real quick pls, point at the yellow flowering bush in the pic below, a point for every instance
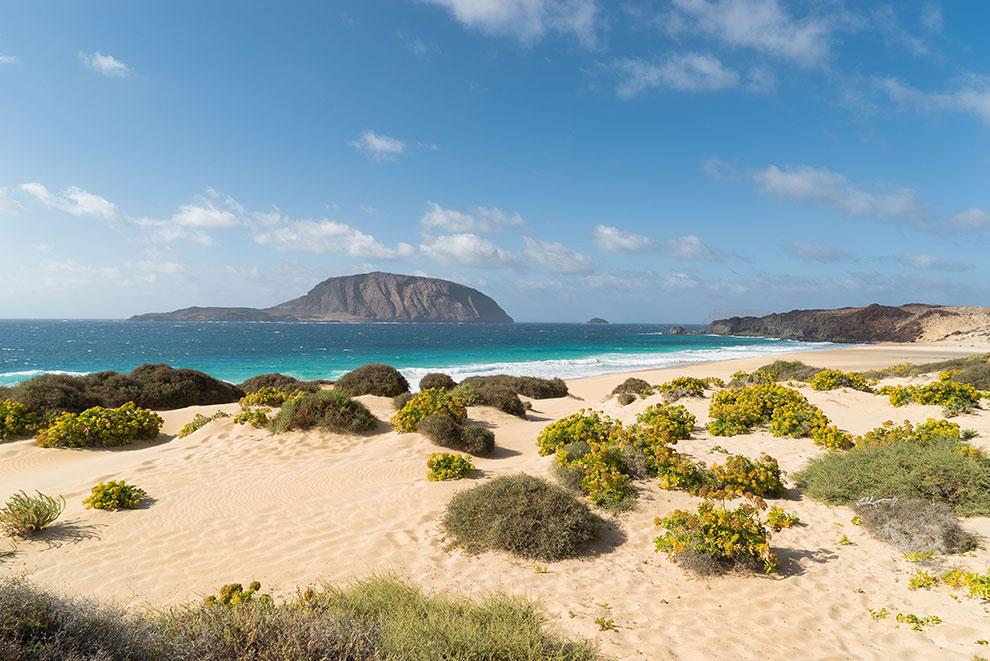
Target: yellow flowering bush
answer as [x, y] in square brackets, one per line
[426, 403]
[740, 475]
[256, 417]
[687, 386]
[832, 379]
[716, 538]
[101, 427]
[926, 433]
[270, 396]
[115, 495]
[952, 396]
[199, 421]
[447, 466]
[665, 423]
[234, 595]
[788, 413]
[15, 419]
[778, 519]
[585, 426]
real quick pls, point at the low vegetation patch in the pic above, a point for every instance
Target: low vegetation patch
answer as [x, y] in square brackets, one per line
[941, 470]
[778, 370]
[528, 386]
[974, 370]
[101, 427]
[375, 379]
[24, 515]
[270, 396]
[437, 380]
[497, 396]
[715, 539]
[446, 466]
[276, 380]
[954, 398]
[585, 426]
[426, 403]
[633, 386]
[15, 419]
[199, 421]
[256, 417]
[522, 515]
[778, 519]
[329, 410]
[377, 618]
[687, 386]
[914, 526]
[445, 431]
[115, 495]
[833, 379]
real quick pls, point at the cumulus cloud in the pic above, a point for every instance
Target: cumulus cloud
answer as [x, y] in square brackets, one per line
[466, 249]
[971, 95]
[819, 186]
[971, 219]
[106, 65]
[612, 239]
[480, 220]
[204, 215]
[690, 248]
[556, 256]
[328, 236]
[761, 25]
[378, 146]
[73, 200]
[527, 20]
[817, 252]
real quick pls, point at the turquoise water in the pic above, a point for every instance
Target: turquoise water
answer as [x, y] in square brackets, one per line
[234, 351]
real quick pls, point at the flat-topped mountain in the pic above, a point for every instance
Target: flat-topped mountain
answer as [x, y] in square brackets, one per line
[362, 298]
[874, 323]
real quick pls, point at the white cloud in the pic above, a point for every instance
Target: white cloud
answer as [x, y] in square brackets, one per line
[8, 59]
[932, 263]
[204, 215]
[762, 25]
[379, 147]
[690, 248]
[481, 220]
[527, 20]
[972, 219]
[556, 256]
[971, 95]
[831, 189]
[328, 236]
[816, 252]
[105, 64]
[688, 72]
[8, 205]
[612, 239]
[73, 200]
[931, 17]
[466, 249]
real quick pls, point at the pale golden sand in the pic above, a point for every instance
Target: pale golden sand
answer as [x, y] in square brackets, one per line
[236, 504]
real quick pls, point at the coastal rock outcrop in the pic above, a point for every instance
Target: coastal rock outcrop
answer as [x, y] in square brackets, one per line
[385, 297]
[597, 321]
[914, 322]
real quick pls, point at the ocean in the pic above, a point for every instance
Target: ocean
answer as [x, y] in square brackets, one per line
[234, 351]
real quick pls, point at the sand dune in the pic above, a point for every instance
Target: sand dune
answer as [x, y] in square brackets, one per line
[237, 504]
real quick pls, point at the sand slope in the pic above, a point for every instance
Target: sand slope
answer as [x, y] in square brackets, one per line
[236, 504]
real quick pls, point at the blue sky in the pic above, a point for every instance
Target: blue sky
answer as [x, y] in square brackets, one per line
[641, 161]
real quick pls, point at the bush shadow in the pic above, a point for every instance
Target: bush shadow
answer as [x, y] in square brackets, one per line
[67, 532]
[789, 561]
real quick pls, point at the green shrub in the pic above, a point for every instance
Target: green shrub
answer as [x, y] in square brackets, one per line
[329, 410]
[101, 427]
[633, 386]
[599, 471]
[832, 379]
[914, 526]
[465, 392]
[256, 417]
[426, 403]
[715, 539]
[789, 370]
[446, 432]
[375, 379]
[437, 380]
[115, 495]
[625, 398]
[269, 396]
[48, 395]
[25, 515]
[953, 397]
[498, 396]
[477, 440]
[528, 386]
[585, 426]
[925, 433]
[199, 421]
[522, 515]
[233, 595]
[15, 419]
[936, 472]
[687, 386]
[376, 618]
[666, 423]
[446, 466]
[276, 380]
[401, 400]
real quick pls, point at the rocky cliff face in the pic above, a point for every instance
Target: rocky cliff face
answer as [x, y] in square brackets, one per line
[873, 323]
[362, 298]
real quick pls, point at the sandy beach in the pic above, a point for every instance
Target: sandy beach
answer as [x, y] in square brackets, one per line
[232, 503]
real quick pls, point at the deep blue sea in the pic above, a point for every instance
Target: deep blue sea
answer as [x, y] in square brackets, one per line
[234, 351]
